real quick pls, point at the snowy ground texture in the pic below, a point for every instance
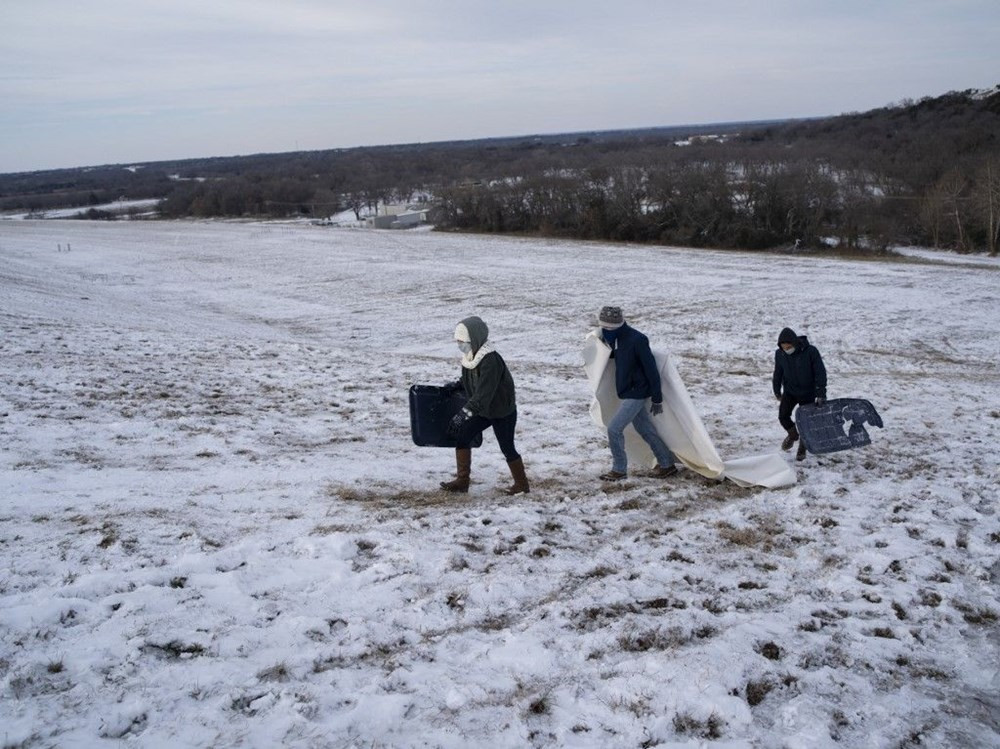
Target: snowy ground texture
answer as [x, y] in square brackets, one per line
[216, 532]
[121, 208]
[981, 259]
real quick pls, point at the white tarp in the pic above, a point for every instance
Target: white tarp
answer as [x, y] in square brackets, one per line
[679, 425]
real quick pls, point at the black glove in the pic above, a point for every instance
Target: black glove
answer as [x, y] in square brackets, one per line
[820, 400]
[457, 421]
[656, 409]
[777, 396]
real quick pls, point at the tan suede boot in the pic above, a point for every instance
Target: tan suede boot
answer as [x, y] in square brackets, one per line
[520, 485]
[463, 463]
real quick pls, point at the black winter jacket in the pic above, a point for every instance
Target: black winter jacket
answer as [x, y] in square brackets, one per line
[800, 373]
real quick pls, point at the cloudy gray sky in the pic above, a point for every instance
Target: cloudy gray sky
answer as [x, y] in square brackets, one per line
[120, 81]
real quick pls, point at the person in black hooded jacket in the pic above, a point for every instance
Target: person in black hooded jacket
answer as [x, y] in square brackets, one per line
[799, 378]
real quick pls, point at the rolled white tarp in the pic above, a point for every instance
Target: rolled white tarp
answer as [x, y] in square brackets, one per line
[679, 425]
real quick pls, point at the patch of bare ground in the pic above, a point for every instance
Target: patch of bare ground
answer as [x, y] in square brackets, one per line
[397, 497]
[765, 533]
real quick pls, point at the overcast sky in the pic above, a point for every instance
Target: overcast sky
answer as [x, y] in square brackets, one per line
[123, 81]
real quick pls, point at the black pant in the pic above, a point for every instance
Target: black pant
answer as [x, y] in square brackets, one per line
[788, 404]
[503, 428]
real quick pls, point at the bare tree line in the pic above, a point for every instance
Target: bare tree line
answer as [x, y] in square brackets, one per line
[752, 204]
[924, 172]
[918, 172]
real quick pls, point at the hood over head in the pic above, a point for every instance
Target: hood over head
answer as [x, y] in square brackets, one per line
[473, 330]
[787, 335]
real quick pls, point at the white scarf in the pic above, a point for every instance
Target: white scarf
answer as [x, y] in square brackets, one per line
[471, 362]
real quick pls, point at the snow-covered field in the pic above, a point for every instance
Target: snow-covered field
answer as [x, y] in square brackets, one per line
[120, 208]
[946, 256]
[216, 532]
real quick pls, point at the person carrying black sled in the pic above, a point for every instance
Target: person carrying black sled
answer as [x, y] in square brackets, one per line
[489, 388]
[636, 380]
[799, 378]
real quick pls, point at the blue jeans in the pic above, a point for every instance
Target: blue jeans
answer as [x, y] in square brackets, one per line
[633, 411]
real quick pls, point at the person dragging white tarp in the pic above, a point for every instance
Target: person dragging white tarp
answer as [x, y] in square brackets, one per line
[637, 381]
[678, 425]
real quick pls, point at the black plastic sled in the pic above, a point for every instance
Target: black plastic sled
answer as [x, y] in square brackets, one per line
[821, 428]
[431, 409]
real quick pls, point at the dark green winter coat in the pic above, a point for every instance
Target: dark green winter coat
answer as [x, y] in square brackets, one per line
[488, 386]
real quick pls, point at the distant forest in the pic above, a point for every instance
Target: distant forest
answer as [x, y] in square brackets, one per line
[917, 172]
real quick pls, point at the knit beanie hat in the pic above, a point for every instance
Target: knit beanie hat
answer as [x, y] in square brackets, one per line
[611, 318]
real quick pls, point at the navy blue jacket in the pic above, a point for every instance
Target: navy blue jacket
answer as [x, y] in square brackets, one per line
[801, 373]
[636, 375]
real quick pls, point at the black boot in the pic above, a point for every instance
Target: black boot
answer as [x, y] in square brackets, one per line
[800, 454]
[793, 435]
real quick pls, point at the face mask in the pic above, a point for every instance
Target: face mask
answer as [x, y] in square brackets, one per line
[789, 351]
[465, 347]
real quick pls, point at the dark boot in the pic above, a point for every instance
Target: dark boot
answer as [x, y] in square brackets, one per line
[663, 472]
[463, 463]
[800, 454]
[520, 485]
[793, 435]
